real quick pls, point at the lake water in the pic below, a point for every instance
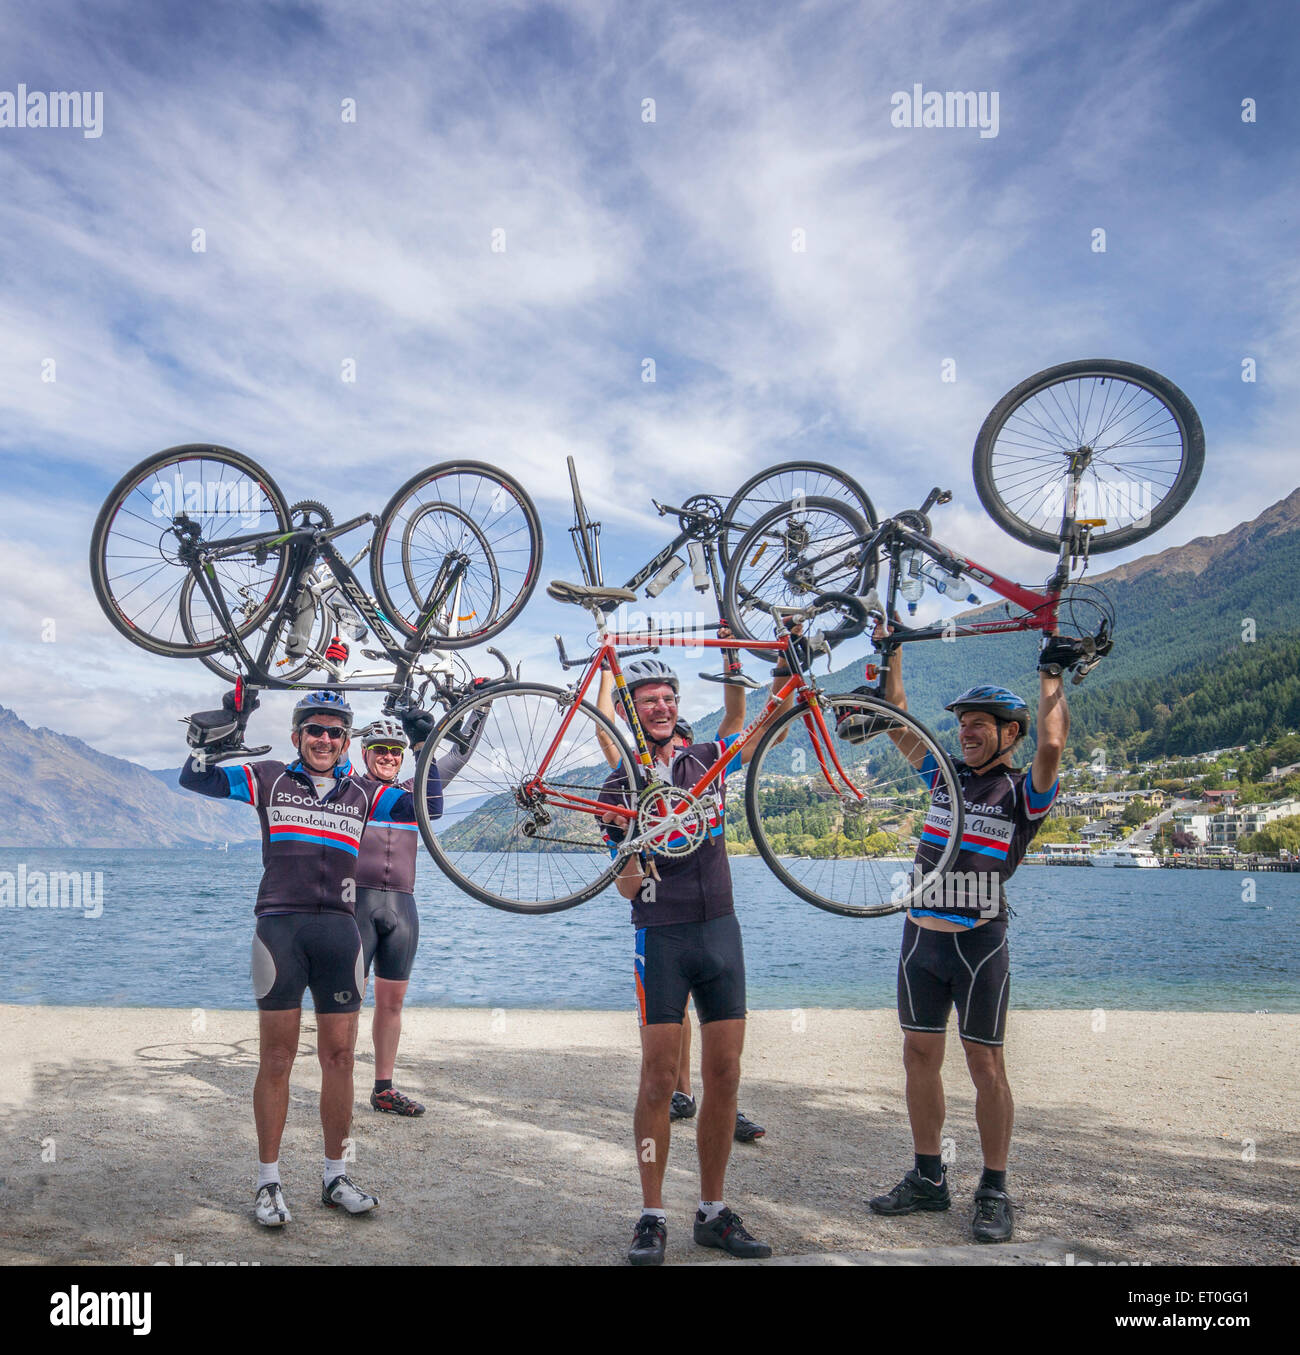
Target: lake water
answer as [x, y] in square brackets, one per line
[176, 927]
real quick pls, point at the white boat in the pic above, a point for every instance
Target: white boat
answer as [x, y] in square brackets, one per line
[1125, 856]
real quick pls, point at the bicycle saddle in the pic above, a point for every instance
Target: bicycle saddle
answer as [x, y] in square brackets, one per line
[582, 596]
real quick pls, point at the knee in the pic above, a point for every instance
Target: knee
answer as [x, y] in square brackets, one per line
[387, 1004]
[922, 1059]
[276, 1061]
[721, 1075]
[987, 1070]
[658, 1082]
[336, 1060]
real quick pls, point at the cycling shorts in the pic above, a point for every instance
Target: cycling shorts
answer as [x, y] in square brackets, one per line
[970, 970]
[296, 951]
[390, 932]
[680, 960]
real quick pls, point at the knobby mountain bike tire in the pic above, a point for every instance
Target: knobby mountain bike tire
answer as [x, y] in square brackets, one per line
[413, 541]
[1147, 444]
[134, 566]
[780, 484]
[788, 557]
[844, 846]
[482, 843]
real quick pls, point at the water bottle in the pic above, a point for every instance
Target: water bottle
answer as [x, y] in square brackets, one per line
[911, 585]
[665, 576]
[699, 566]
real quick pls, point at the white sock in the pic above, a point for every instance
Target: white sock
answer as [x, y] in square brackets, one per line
[333, 1169]
[711, 1209]
[268, 1172]
[654, 1213]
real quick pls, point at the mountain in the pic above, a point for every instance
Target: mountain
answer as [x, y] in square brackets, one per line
[60, 792]
[1198, 604]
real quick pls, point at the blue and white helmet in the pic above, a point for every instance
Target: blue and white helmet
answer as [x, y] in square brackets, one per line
[995, 701]
[323, 702]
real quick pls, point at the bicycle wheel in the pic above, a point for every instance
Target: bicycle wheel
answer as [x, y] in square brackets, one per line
[523, 850]
[502, 517]
[1147, 450]
[790, 555]
[846, 843]
[201, 626]
[788, 483]
[426, 536]
[208, 494]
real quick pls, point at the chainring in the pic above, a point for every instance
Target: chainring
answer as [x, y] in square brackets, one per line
[670, 821]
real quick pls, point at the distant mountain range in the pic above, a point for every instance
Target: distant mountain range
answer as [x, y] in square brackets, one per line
[61, 792]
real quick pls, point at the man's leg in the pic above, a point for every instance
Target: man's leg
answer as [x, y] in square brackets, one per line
[659, 1051]
[994, 1108]
[923, 1065]
[721, 1043]
[387, 1028]
[684, 1058]
[336, 1036]
[277, 1045]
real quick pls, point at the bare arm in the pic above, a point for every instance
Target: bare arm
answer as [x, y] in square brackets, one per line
[1053, 730]
[605, 705]
[904, 740]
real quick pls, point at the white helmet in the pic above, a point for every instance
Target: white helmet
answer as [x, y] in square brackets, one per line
[384, 730]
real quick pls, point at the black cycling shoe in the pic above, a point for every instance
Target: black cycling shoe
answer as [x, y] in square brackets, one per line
[682, 1108]
[746, 1130]
[649, 1241]
[913, 1192]
[728, 1233]
[994, 1215]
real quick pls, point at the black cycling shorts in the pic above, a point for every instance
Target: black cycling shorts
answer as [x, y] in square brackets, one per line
[296, 951]
[680, 960]
[969, 969]
[390, 932]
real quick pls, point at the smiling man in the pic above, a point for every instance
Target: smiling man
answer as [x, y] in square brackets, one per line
[955, 954]
[313, 815]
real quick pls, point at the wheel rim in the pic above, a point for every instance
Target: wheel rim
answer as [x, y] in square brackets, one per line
[779, 486]
[431, 534]
[482, 841]
[855, 858]
[138, 561]
[1137, 449]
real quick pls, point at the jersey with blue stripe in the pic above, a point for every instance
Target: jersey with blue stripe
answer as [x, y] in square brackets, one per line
[311, 844]
[697, 887]
[1002, 813]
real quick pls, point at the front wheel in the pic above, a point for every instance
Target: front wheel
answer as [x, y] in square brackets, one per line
[844, 819]
[509, 836]
[1141, 436]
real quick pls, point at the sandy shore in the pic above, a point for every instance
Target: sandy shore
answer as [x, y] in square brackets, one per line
[128, 1137]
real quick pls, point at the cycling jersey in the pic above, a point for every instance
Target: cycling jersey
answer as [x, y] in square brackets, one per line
[310, 844]
[1003, 811]
[690, 888]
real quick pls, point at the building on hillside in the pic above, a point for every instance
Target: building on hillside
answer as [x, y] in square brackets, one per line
[1230, 824]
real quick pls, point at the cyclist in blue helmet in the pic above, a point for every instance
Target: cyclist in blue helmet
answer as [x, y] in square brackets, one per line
[954, 949]
[313, 814]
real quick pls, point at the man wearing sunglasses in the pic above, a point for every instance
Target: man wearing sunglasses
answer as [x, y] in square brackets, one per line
[386, 913]
[314, 816]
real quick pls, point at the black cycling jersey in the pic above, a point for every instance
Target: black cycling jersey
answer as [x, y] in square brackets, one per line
[690, 888]
[1003, 811]
[310, 843]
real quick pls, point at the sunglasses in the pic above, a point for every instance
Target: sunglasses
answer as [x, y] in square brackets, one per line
[386, 749]
[332, 732]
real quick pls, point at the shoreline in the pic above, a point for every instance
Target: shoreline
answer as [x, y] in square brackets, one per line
[1166, 1137]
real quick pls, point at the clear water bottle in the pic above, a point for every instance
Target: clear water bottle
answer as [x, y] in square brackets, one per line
[911, 585]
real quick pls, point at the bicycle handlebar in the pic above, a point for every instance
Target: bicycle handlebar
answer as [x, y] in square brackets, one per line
[566, 662]
[855, 625]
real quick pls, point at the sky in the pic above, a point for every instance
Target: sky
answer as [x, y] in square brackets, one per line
[651, 171]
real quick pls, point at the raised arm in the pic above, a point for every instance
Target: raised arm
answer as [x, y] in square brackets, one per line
[906, 742]
[605, 705]
[1052, 731]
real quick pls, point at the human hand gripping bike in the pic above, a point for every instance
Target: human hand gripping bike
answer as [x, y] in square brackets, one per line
[454, 558]
[522, 826]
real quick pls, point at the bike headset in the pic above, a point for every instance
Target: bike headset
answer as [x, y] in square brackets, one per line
[645, 671]
[1005, 707]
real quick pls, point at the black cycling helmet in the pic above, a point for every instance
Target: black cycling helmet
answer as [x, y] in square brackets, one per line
[1004, 706]
[323, 702]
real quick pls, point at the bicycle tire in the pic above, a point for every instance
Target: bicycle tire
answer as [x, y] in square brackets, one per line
[1148, 451]
[220, 662]
[491, 770]
[409, 557]
[504, 516]
[135, 576]
[582, 543]
[776, 485]
[746, 589]
[863, 888]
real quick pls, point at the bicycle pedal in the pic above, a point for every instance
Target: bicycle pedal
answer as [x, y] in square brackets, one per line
[732, 680]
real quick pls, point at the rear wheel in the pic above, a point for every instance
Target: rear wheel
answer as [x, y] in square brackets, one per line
[192, 494]
[460, 509]
[846, 843]
[788, 557]
[519, 848]
[1146, 449]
